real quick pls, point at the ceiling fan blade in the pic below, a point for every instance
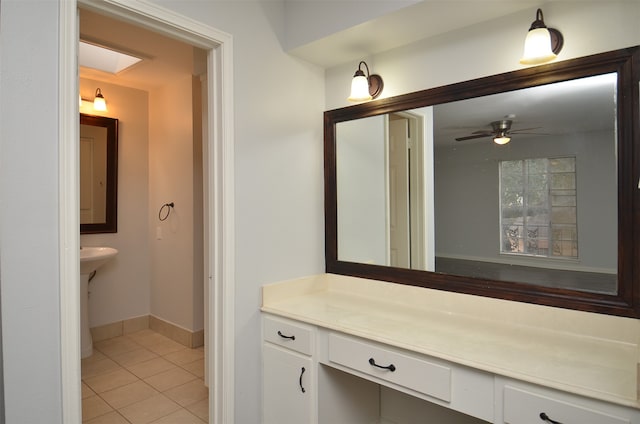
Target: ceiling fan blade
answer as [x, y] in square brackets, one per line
[470, 137]
[519, 130]
[530, 133]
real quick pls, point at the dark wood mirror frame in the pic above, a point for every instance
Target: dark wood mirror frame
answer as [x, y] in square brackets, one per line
[626, 62]
[111, 222]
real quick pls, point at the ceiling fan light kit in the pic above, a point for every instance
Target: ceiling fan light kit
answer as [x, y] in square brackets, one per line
[542, 44]
[503, 139]
[500, 132]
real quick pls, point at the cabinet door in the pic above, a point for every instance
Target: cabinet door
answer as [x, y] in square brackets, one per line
[289, 386]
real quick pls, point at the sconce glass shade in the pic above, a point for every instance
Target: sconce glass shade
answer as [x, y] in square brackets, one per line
[503, 139]
[98, 102]
[359, 88]
[537, 47]
[542, 44]
[365, 86]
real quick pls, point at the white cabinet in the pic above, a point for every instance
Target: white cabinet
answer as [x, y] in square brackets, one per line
[528, 404]
[453, 386]
[392, 366]
[289, 373]
[289, 387]
[315, 375]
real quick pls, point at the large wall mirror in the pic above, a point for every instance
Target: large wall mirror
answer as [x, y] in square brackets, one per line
[520, 186]
[98, 174]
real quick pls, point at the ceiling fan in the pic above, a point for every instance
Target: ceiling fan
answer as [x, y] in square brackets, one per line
[500, 131]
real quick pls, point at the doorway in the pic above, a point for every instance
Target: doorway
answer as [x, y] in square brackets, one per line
[409, 153]
[218, 194]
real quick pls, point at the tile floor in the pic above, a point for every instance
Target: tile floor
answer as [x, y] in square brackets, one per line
[144, 378]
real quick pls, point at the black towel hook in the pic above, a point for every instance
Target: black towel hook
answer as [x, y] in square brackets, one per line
[169, 206]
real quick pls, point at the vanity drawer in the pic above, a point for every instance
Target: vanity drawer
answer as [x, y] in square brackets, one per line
[412, 373]
[288, 334]
[525, 407]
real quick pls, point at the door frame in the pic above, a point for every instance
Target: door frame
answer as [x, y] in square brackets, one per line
[218, 195]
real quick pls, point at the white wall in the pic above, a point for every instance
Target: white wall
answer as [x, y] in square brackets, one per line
[362, 190]
[278, 171]
[29, 239]
[489, 48]
[120, 289]
[171, 175]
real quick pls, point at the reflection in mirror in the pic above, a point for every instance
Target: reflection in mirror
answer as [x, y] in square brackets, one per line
[502, 212]
[538, 218]
[98, 174]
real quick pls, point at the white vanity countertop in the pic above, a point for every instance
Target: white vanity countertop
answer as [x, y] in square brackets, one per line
[582, 353]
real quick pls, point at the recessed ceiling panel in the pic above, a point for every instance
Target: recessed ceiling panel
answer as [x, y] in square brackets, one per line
[104, 59]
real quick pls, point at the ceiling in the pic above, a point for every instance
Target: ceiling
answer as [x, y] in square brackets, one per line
[166, 58]
[569, 107]
[421, 21]
[163, 58]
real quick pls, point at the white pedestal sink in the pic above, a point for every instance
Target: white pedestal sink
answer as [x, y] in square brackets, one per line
[91, 258]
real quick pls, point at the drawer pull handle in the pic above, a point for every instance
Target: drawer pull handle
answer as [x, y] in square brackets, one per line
[300, 380]
[391, 367]
[545, 417]
[286, 337]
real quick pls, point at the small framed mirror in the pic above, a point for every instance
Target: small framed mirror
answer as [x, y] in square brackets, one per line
[98, 174]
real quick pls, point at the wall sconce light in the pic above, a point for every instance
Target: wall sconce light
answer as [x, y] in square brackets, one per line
[365, 87]
[542, 44]
[98, 102]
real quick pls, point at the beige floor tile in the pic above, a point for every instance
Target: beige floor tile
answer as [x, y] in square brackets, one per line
[116, 346]
[181, 416]
[149, 410]
[101, 366]
[93, 407]
[165, 347]
[134, 357]
[188, 393]
[86, 391]
[169, 379]
[128, 394]
[147, 337]
[200, 409]
[116, 369]
[196, 368]
[184, 356]
[112, 417]
[111, 380]
[95, 356]
[151, 367]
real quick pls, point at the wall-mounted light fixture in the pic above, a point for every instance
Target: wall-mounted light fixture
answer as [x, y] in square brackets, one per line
[99, 103]
[542, 44]
[365, 87]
